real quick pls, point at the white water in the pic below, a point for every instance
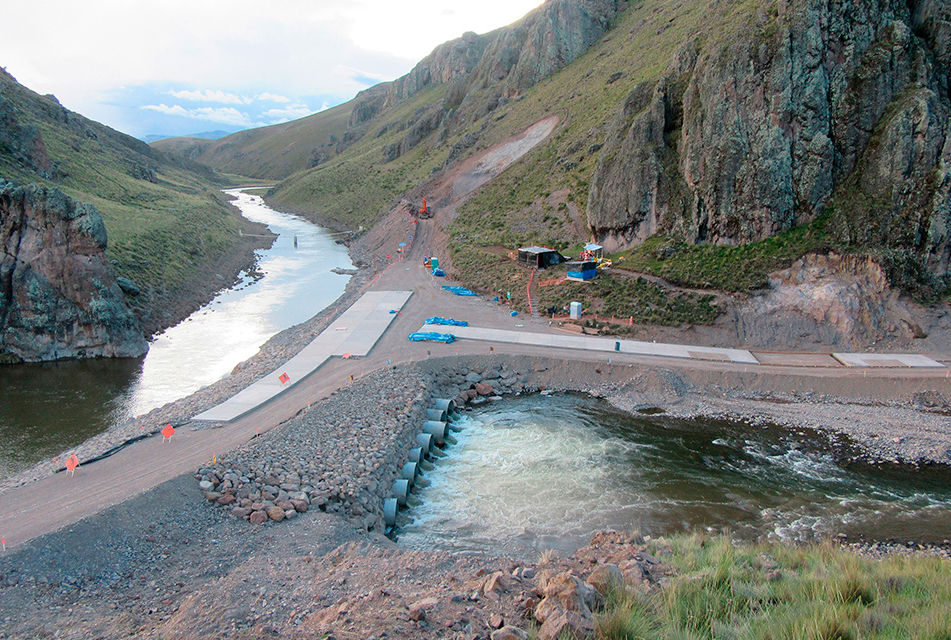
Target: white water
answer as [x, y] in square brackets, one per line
[538, 472]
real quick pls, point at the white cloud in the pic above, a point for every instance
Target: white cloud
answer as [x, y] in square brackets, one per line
[222, 115]
[174, 110]
[292, 112]
[210, 96]
[271, 97]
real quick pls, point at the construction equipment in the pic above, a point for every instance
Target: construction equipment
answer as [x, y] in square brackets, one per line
[424, 211]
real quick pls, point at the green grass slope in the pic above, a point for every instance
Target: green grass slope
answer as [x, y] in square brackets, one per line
[271, 153]
[760, 591]
[166, 220]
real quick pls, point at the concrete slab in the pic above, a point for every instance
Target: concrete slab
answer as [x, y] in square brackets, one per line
[355, 332]
[590, 343]
[913, 360]
[797, 359]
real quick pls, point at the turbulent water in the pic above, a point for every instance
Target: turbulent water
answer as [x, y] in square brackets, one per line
[538, 472]
[47, 408]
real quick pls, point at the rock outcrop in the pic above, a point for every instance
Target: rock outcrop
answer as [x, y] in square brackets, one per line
[58, 294]
[485, 70]
[814, 103]
[843, 301]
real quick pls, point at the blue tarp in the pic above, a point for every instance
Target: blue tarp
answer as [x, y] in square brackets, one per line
[434, 337]
[460, 291]
[449, 321]
[438, 272]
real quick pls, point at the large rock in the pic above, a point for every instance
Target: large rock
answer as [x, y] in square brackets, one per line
[606, 578]
[58, 294]
[834, 300]
[813, 103]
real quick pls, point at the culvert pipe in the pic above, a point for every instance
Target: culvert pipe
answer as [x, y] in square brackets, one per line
[440, 415]
[438, 429]
[390, 507]
[417, 455]
[443, 405]
[409, 471]
[426, 442]
[400, 490]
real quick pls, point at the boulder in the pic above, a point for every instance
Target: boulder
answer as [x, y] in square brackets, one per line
[606, 578]
[567, 623]
[509, 632]
[417, 610]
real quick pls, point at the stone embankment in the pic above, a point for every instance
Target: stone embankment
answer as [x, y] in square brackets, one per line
[343, 454]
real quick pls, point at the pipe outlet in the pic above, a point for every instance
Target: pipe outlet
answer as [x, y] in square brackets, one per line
[425, 440]
[438, 429]
[437, 414]
[443, 404]
[390, 507]
[401, 490]
[410, 471]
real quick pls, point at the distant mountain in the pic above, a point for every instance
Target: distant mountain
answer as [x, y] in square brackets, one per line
[169, 228]
[207, 135]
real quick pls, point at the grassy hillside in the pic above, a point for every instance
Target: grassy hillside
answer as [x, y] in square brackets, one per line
[166, 220]
[358, 187]
[542, 199]
[271, 153]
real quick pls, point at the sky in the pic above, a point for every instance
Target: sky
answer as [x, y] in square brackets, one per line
[178, 67]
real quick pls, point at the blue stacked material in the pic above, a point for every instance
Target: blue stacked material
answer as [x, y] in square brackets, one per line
[449, 321]
[583, 275]
[460, 291]
[433, 337]
[439, 272]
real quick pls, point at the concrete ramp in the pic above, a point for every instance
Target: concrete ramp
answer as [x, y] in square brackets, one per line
[355, 332]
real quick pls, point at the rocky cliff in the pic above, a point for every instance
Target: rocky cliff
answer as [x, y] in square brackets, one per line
[812, 104]
[485, 71]
[58, 295]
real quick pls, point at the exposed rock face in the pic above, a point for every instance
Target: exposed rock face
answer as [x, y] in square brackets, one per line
[816, 102]
[58, 294]
[447, 63]
[544, 41]
[488, 69]
[828, 299]
[24, 142]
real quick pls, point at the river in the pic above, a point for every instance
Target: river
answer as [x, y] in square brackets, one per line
[49, 407]
[535, 472]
